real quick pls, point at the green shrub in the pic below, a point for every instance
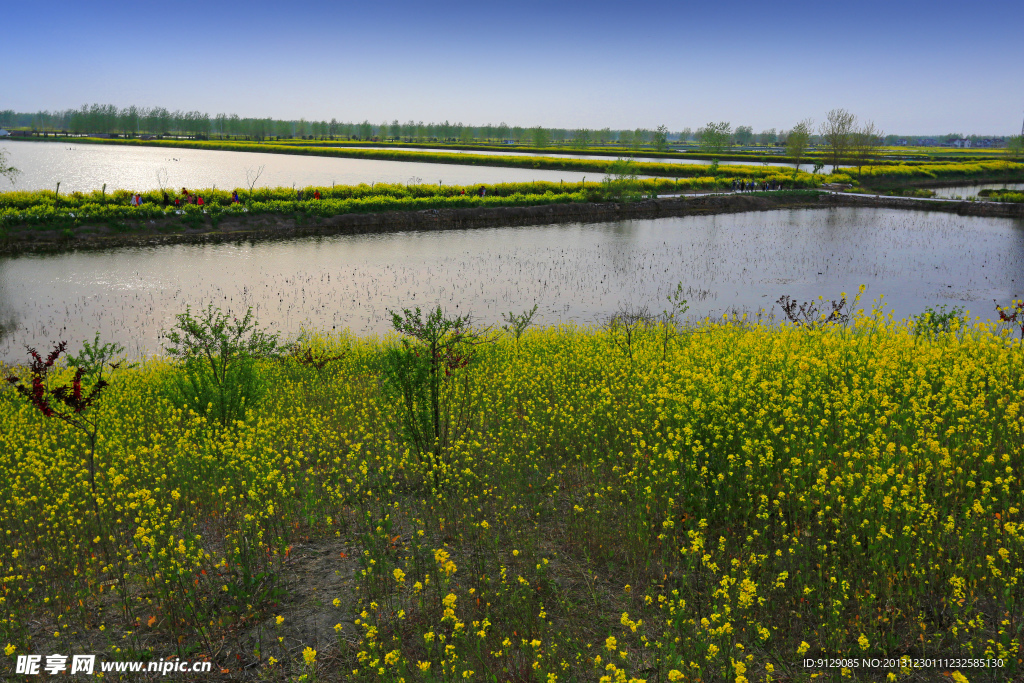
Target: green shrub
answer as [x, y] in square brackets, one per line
[95, 357]
[428, 373]
[218, 352]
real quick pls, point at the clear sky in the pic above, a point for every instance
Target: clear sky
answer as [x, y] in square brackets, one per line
[911, 67]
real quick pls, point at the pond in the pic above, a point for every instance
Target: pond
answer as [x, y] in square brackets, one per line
[84, 167]
[577, 273]
[972, 190]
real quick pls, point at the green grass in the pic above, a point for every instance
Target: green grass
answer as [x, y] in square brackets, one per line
[43, 210]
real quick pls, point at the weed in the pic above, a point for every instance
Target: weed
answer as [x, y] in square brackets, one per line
[932, 323]
[671, 318]
[813, 314]
[517, 324]
[95, 356]
[1013, 314]
[621, 182]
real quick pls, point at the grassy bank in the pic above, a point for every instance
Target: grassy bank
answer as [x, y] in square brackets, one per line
[907, 175]
[884, 155]
[595, 150]
[1012, 196]
[45, 209]
[707, 503]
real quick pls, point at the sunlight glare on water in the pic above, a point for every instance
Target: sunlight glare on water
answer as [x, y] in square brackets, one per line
[83, 168]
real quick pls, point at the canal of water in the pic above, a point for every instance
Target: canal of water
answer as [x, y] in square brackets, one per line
[581, 273]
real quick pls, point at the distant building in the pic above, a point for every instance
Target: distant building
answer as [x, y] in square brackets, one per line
[989, 142]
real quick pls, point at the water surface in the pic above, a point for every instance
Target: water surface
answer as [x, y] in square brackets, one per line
[972, 190]
[84, 167]
[577, 272]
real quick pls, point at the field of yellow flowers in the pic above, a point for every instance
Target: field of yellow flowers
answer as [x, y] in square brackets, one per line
[716, 502]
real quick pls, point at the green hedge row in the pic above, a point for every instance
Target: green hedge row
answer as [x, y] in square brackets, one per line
[30, 207]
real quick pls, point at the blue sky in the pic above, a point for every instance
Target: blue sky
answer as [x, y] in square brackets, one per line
[911, 67]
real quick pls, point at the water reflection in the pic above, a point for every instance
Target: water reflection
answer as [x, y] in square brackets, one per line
[973, 190]
[8, 317]
[577, 272]
[83, 168]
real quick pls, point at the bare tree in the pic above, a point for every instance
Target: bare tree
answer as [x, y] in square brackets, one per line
[626, 325]
[251, 176]
[837, 131]
[161, 177]
[7, 170]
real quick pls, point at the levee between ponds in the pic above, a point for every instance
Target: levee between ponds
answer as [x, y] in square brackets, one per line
[280, 226]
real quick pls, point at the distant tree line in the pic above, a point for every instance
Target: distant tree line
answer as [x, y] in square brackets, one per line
[108, 119]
